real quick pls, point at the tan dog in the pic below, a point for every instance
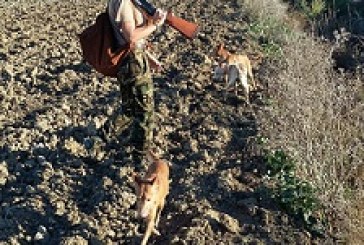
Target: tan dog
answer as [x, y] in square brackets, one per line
[238, 66]
[151, 191]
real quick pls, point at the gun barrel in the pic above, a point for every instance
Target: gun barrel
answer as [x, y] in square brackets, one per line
[146, 6]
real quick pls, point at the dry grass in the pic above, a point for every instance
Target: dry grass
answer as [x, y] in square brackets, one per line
[268, 24]
[263, 9]
[317, 115]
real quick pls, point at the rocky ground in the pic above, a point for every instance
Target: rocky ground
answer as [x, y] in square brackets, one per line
[55, 191]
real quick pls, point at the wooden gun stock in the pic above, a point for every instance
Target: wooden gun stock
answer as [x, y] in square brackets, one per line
[185, 27]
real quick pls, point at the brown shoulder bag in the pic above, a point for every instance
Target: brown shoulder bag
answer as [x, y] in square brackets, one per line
[99, 47]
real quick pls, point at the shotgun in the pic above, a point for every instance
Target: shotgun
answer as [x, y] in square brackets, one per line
[188, 29]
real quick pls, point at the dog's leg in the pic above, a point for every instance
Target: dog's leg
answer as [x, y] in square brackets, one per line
[160, 208]
[226, 78]
[150, 227]
[230, 82]
[236, 87]
[159, 211]
[251, 76]
[219, 74]
[232, 75]
[227, 82]
[244, 81]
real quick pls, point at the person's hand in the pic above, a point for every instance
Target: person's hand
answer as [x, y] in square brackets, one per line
[159, 17]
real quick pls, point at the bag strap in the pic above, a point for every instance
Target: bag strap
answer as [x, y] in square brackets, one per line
[108, 5]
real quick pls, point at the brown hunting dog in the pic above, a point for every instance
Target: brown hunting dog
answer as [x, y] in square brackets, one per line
[237, 67]
[151, 191]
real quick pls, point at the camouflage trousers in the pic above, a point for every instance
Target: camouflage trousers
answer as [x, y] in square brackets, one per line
[133, 124]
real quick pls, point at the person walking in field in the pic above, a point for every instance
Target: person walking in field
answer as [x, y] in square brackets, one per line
[133, 126]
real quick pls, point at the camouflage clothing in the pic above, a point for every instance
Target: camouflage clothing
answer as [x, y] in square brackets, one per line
[133, 125]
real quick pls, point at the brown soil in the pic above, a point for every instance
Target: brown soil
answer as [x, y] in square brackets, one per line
[54, 191]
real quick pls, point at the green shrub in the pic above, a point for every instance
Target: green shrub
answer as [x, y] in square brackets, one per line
[296, 196]
[278, 162]
[312, 9]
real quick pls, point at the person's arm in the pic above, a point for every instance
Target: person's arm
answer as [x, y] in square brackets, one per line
[132, 33]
